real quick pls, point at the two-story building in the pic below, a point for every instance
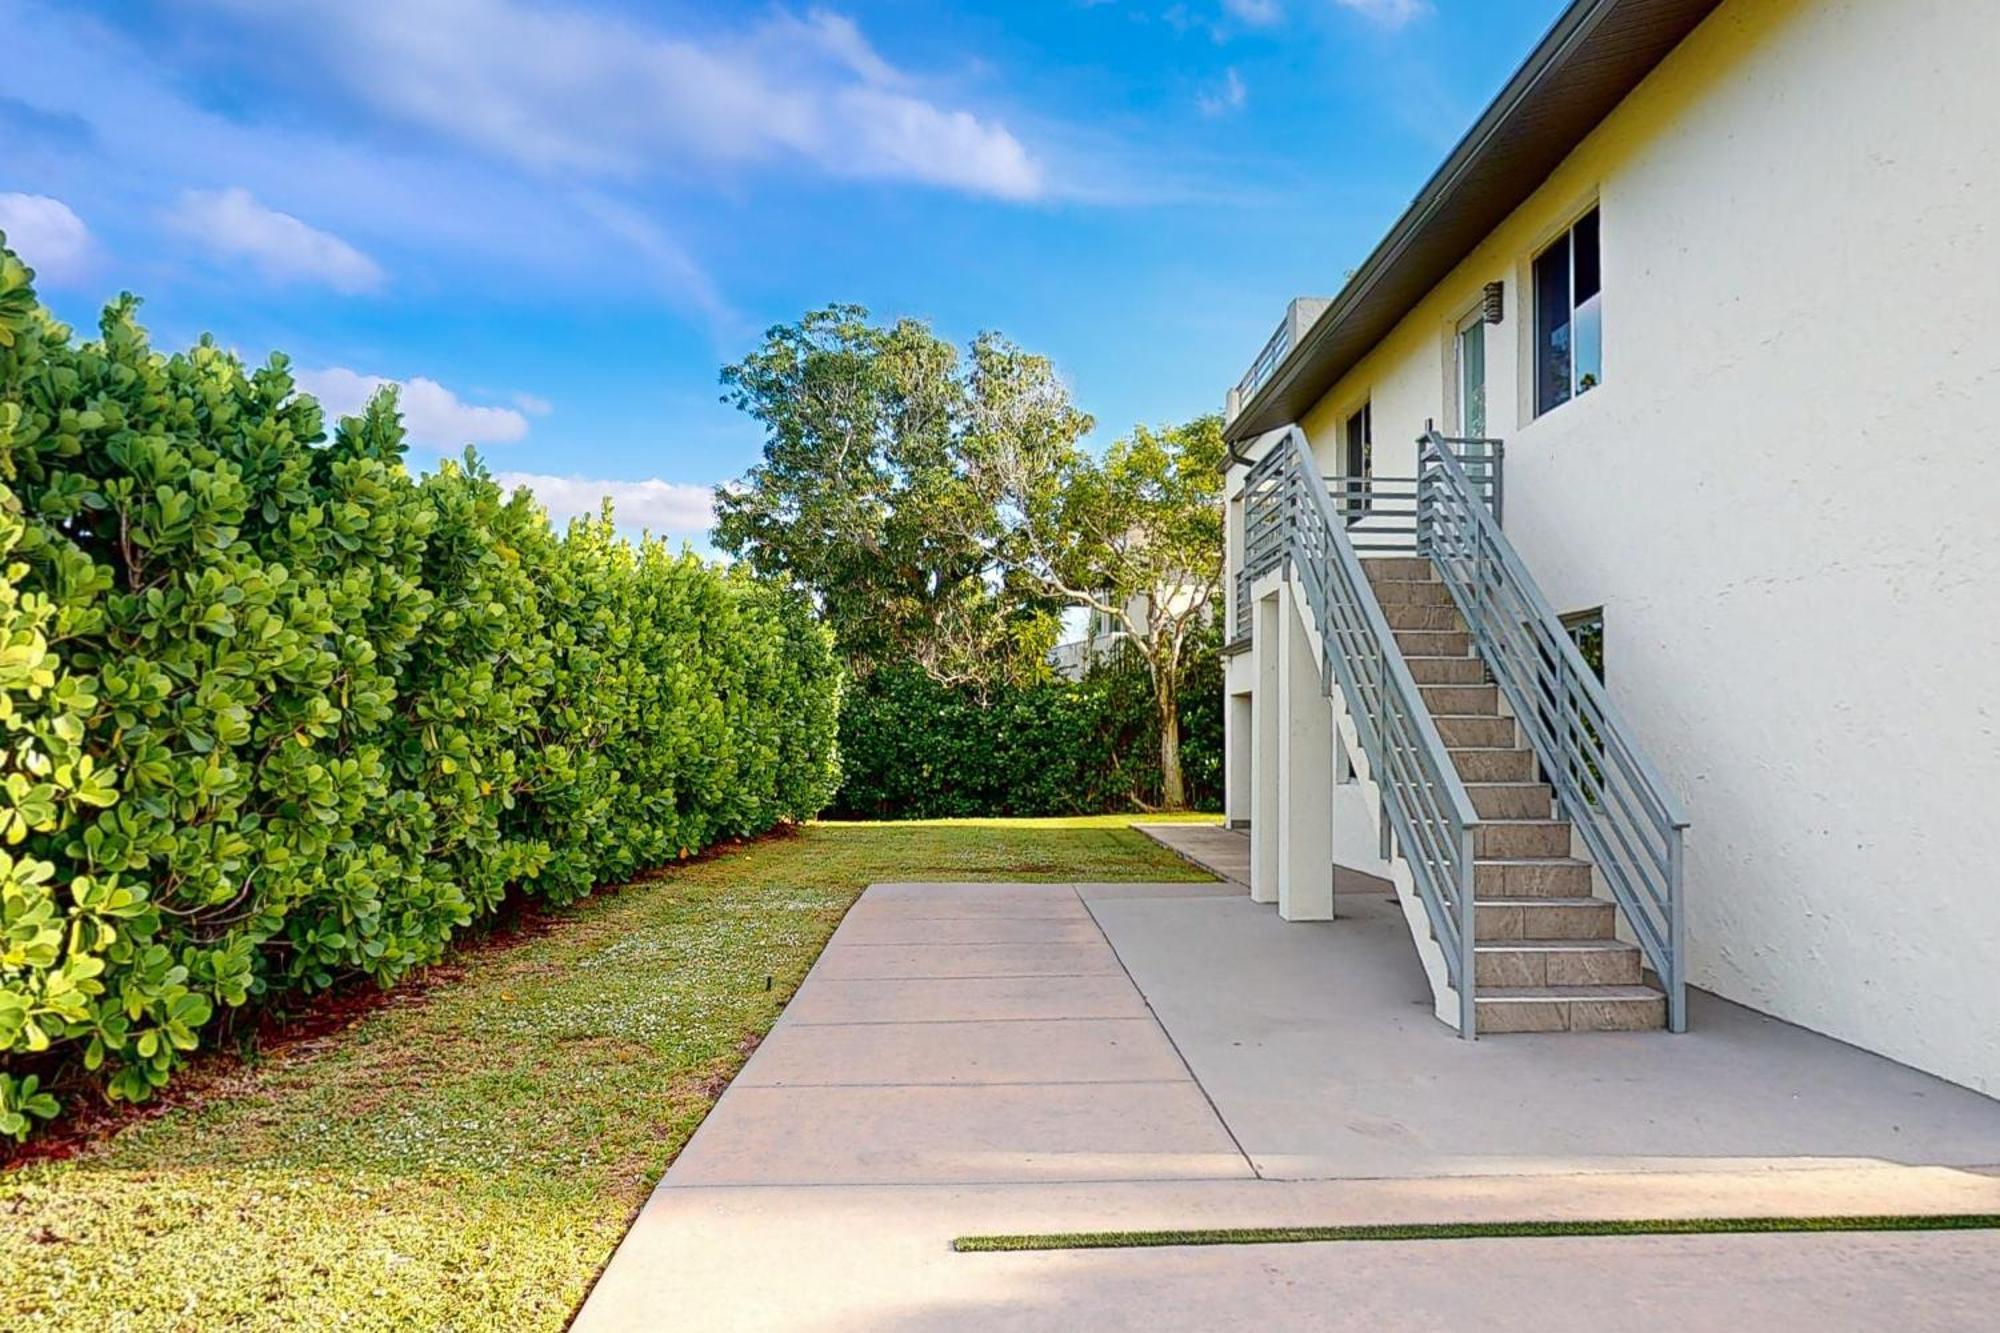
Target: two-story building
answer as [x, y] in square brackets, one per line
[1614, 560]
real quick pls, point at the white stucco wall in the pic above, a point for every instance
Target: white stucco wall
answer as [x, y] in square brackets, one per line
[1784, 494]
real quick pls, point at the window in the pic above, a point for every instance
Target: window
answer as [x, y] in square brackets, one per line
[1354, 498]
[1569, 334]
[1586, 631]
[1471, 344]
[1575, 733]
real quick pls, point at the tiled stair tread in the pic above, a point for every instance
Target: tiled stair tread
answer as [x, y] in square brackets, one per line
[1517, 994]
[1418, 621]
[1551, 946]
[1515, 900]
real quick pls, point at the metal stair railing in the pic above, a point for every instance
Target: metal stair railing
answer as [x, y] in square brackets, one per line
[1290, 519]
[1627, 818]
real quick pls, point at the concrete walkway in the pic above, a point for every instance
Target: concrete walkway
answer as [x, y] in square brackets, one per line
[1222, 852]
[965, 1034]
[981, 1058]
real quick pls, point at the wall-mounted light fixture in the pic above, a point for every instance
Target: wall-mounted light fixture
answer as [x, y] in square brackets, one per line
[1494, 302]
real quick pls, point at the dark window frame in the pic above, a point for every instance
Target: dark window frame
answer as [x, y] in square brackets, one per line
[1566, 280]
[1357, 435]
[1586, 631]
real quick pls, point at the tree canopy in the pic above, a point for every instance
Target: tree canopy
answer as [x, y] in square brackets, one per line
[863, 496]
[943, 509]
[1135, 536]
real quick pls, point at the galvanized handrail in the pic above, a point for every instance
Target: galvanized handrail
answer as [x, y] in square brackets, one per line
[1381, 518]
[1289, 518]
[1627, 817]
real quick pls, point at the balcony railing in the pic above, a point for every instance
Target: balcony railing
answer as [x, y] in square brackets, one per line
[1300, 313]
[1380, 515]
[1275, 351]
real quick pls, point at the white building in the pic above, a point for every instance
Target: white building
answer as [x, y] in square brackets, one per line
[1722, 280]
[1100, 633]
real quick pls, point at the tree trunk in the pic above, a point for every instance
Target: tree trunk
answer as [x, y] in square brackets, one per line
[1173, 789]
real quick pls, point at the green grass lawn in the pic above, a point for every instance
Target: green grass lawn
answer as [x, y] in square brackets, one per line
[467, 1156]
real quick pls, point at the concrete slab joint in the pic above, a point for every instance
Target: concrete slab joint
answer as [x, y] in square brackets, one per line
[992, 1058]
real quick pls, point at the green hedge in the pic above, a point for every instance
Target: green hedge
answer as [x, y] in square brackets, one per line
[914, 749]
[277, 713]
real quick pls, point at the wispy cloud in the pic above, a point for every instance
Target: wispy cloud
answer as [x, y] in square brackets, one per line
[1225, 97]
[432, 414]
[601, 96]
[675, 508]
[1389, 14]
[1256, 13]
[48, 236]
[232, 225]
[667, 263]
[24, 122]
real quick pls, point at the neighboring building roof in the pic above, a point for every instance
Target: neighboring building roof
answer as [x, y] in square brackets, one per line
[1597, 52]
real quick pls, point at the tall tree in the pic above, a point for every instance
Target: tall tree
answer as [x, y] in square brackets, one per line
[863, 496]
[1136, 536]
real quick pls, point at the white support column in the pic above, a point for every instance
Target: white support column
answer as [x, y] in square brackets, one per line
[1236, 733]
[1265, 709]
[1305, 774]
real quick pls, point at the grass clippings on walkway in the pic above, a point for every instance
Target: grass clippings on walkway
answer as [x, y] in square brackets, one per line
[1407, 1231]
[467, 1156]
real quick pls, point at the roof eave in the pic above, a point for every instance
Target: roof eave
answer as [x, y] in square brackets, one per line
[1329, 349]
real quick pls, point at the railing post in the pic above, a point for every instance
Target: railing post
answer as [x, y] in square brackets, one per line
[1423, 490]
[1468, 939]
[1676, 984]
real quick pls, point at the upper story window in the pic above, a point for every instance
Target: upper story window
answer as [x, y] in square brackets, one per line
[1569, 328]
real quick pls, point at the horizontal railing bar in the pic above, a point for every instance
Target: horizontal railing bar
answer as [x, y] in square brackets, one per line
[1625, 815]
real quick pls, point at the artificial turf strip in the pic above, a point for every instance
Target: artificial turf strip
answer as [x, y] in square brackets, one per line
[1650, 1226]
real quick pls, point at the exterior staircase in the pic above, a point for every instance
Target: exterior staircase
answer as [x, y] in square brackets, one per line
[1547, 957]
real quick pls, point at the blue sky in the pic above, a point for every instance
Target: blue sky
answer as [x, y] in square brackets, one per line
[555, 222]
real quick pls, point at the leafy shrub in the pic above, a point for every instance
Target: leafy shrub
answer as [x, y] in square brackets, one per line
[274, 713]
[912, 748]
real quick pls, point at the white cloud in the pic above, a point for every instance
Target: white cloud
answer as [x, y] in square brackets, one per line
[562, 90]
[1389, 13]
[233, 225]
[1229, 96]
[1257, 13]
[49, 237]
[432, 414]
[667, 507]
[533, 404]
